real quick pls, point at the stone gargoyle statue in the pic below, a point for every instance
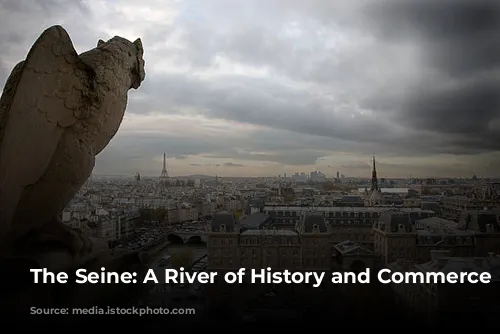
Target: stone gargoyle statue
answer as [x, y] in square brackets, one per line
[58, 110]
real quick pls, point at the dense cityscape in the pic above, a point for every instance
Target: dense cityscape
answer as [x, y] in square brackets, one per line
[302, 222]
[270, 112]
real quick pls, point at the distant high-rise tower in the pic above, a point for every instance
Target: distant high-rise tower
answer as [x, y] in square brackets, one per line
[217, 194]
[374, 176]
[138, 177]
[164, 173]
[338, 175]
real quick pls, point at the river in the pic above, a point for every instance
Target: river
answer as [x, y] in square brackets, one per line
[162, 294]
[198, 250]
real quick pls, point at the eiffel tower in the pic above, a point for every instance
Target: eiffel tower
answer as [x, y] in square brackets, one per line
[164, 173]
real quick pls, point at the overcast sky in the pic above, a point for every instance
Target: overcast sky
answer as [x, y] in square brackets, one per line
[266, 87]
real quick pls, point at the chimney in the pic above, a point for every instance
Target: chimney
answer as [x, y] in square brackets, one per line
[436, 254]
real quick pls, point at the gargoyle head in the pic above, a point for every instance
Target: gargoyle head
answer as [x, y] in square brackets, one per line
[132, 55]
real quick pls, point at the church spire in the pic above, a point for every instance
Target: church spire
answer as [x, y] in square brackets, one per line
[374, 176]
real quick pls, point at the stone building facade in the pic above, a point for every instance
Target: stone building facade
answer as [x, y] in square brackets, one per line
[347, 223]
[480, 198]
[437, 301]
[455, 206]
[398, 235]
[232, 247]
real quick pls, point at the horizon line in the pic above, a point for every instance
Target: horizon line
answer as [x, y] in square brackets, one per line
[290, 177]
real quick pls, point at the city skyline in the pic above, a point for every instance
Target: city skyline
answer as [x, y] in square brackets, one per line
[328, 171]
[271, 87]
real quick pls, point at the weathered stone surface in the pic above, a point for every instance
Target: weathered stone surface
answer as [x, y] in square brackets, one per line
[57, 112]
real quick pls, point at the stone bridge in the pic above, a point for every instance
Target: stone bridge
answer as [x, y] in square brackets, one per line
[181, 237]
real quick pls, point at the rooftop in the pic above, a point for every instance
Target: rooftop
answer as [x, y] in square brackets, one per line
[255, 219]
[344, 209]
[439, 226]
[464, 264]
[269, 232]
[348, 246]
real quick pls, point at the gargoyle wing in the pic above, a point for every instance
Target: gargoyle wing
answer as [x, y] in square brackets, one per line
[46, 95]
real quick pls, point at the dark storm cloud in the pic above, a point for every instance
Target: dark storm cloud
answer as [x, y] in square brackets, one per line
[260, 46]
[249, 100]
[45, 6]
[459, 36]
[459, 42]
[399, 78]
[21, 22]
[295, 152]
[465, 108]
[257, 101]
[458, 31]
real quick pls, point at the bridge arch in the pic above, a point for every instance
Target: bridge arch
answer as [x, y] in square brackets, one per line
[195, 239]
[175, 239]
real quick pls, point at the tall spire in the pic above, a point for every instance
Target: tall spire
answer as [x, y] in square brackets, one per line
[217, 201]
[374, 176]
[164, 173]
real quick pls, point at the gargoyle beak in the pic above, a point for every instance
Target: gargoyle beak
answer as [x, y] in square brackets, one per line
[140, 73]
[136, 84]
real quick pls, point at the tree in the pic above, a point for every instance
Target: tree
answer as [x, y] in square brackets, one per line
[182, 258]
